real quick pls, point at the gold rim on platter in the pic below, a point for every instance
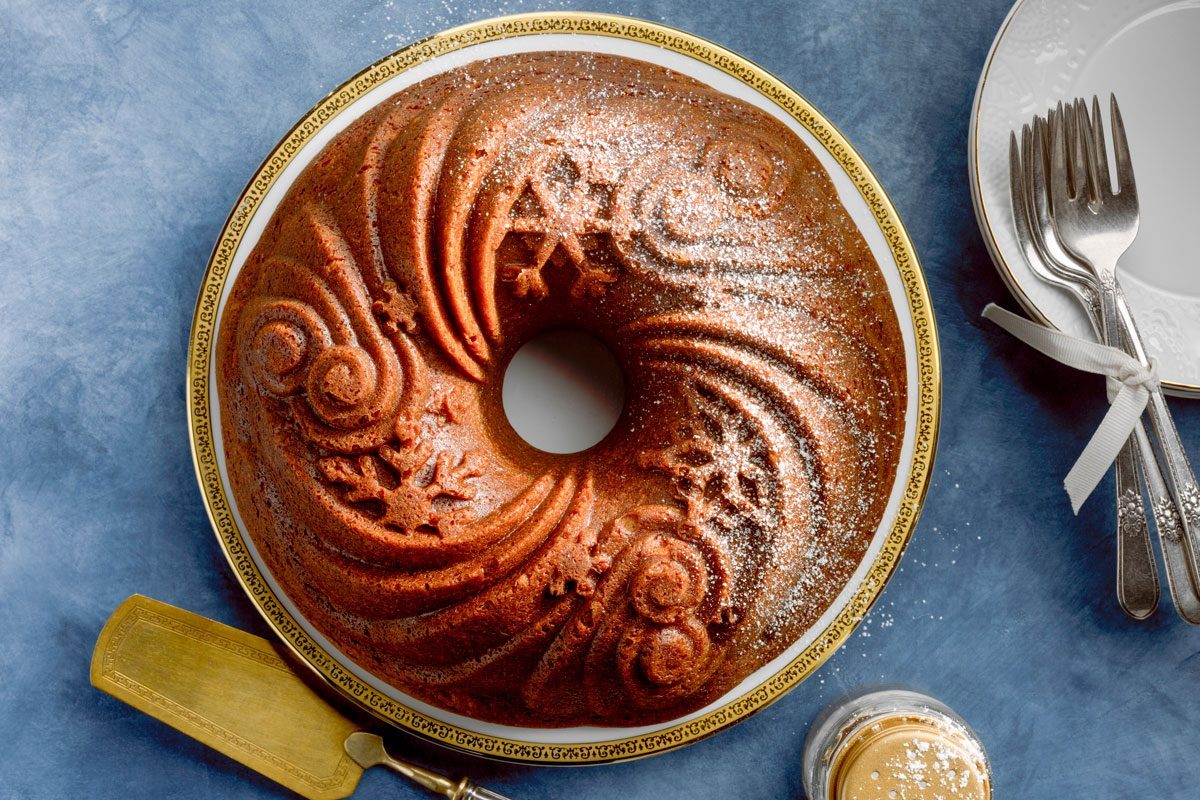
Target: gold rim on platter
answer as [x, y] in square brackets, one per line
[292, 633]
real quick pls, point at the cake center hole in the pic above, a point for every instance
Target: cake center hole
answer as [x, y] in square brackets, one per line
[563, 391]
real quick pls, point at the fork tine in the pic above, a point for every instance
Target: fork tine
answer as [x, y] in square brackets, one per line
[1025, 225]
[1022, 185]
[1060, 190]
[1086, 157]
[1035, 157]
[1026, 154]
[1121, 153]
[1016, 190]
[1038, 192]
[1037, 187]
[1066, 113]
[1099, 153]
[1076, 154]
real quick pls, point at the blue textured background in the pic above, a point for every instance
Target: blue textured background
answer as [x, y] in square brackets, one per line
[126, 132]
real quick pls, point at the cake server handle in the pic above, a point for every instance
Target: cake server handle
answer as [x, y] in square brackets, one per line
[367, 750]
[479, 793]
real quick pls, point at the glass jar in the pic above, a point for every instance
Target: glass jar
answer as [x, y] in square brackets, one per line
[894, 744]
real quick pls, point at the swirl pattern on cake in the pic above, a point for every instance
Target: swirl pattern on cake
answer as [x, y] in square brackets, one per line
[362, 350]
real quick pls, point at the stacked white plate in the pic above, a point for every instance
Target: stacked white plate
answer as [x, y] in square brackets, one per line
[1147, 52]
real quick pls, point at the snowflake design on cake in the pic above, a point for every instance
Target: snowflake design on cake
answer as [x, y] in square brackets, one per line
[717, 466]
[404, 493]
[408, 485]
[559, 217]
[395, 310]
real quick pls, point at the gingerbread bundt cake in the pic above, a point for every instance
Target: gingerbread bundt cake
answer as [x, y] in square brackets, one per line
[361, 356]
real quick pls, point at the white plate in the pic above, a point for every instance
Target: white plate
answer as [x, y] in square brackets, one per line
[864, 200]
[1147, 52]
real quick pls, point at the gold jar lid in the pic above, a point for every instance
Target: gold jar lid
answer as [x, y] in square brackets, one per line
[910, 757]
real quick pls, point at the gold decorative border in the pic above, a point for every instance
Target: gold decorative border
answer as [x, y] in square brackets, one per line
[203, 334]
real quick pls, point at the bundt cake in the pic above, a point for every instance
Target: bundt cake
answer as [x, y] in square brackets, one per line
[361, 356]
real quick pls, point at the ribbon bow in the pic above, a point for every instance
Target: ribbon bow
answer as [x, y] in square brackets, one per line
[1128, 381]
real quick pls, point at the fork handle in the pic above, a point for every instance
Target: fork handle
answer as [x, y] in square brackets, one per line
[1181, 479]
[1185, 593]
[1137, 576]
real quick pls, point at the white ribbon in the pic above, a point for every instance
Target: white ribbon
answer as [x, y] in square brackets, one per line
[1128, 382]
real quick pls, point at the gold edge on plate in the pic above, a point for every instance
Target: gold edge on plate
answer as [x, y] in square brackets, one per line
[975, 179]
[204, 328]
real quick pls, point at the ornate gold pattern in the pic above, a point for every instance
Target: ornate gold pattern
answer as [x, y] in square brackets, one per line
[147, 623]
[200, 398]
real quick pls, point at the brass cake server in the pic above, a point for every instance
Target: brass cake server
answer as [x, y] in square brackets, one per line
[230, 690]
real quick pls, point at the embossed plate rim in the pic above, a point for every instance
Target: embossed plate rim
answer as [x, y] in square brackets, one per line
[1019, 278]
[926, 408]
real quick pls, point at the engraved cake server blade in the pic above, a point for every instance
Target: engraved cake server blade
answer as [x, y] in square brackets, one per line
[230, 690]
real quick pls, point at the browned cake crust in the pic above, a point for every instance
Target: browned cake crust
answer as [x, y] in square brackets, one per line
[361, 357]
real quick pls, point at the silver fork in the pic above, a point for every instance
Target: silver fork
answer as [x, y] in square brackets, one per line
[1183, 589]
[1096, 224]
[1137, 577]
